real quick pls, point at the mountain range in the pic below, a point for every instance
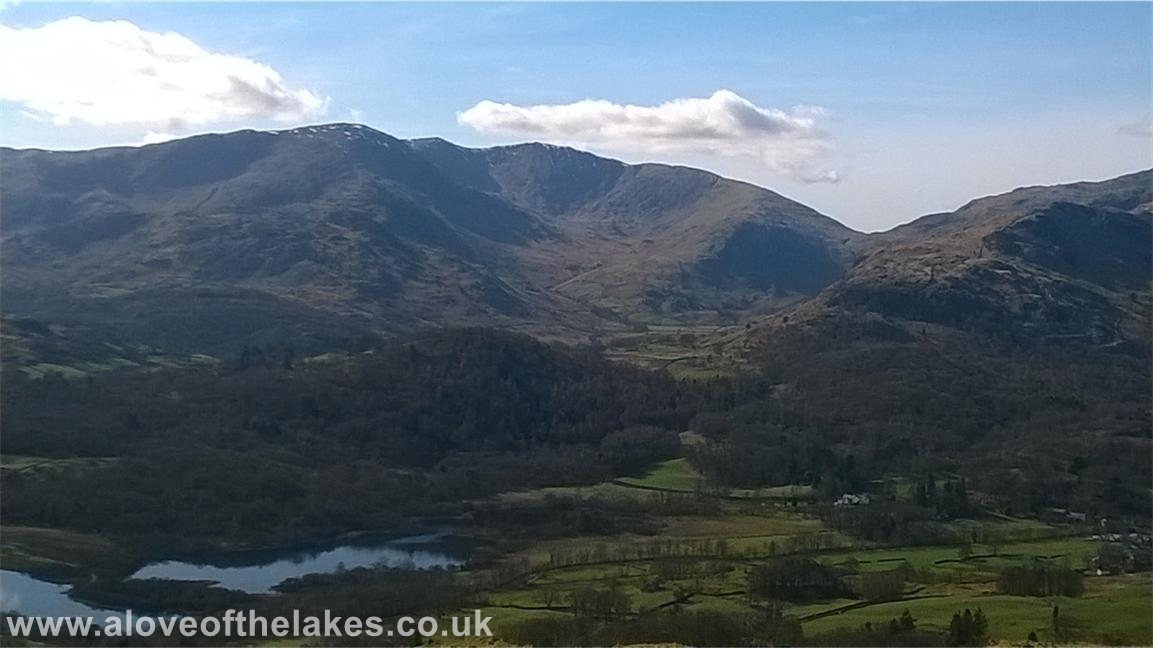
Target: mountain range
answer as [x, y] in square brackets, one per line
[320, 234]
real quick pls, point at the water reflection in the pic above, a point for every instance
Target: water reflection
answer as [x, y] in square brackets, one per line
[257, 573]
[31, 597]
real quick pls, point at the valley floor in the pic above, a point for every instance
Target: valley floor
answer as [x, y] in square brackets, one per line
[697, 560]
[716, 552]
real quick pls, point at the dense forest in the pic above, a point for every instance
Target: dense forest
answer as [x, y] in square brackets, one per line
[1030, 423]
[266, 446]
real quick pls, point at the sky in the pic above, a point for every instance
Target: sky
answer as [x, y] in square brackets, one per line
[872, 113]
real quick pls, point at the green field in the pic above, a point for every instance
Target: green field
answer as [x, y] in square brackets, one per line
[678, 475]
[675, 474]
[43, 369]
[947, 560]
[61, 555]
[944, 579]
[1113, 610]
[81, 369]
[696, 550]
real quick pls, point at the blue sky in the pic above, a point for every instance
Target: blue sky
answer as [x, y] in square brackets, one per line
[910, 108]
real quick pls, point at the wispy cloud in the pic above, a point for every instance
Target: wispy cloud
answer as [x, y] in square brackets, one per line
[113, 73]
[1142, 128]
[722, 124]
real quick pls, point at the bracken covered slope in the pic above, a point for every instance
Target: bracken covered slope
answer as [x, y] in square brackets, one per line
[1071, 262]
[320, 233]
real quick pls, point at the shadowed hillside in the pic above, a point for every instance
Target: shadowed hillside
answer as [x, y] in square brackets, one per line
[330, 232]
[678, 242]
[1008, 340]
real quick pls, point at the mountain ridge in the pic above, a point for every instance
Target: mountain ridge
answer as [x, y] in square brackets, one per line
[340, 229]
[1028, 264]
[354, 223]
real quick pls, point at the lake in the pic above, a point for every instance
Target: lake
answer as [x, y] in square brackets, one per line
[32, 597]
[258, 572]
[253, 572]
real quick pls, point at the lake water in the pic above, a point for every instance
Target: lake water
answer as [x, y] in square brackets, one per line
[31, 597]
[255, 572]
[258, 573]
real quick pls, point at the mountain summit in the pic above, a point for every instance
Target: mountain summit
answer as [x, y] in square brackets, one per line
[314, 232]
[319, 233]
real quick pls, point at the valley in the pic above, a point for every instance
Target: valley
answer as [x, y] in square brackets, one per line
[606, 404]
[692, 556]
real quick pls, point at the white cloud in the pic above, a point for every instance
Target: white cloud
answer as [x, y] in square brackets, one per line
[1143, 128]
[152, 137]
[114, 73]
[722, 124]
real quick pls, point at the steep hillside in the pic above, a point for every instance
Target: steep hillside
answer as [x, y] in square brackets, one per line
[673, 241]
[1008, 341]
[1070, 262]
[320, 234]
[312, 232]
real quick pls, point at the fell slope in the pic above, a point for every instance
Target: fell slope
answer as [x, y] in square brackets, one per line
[1071, 262]
[1007, 341]
[654, 238]
[323, 233]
